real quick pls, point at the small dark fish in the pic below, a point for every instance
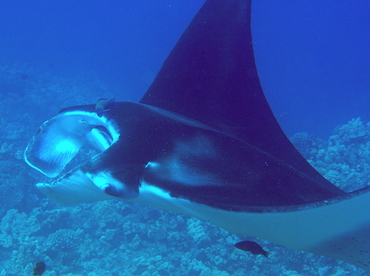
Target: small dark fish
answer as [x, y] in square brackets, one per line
[252, 247]
[39, 268]
[103, 105]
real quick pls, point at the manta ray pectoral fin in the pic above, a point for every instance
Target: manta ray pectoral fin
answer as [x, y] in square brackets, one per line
[346, 236]
[338, 228]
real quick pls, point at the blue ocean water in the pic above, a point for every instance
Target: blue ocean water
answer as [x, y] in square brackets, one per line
[312, 56]
[123, 42]
[314, 65]
[314, 61]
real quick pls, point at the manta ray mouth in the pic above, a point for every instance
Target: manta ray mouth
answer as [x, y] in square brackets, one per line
[59, 139]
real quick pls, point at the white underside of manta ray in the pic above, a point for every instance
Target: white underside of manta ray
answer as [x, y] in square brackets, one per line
[204, 142]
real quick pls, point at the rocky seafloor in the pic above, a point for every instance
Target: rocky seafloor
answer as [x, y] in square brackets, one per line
[118, 238]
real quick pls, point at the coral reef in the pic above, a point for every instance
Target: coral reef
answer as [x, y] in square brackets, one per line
[344, 159]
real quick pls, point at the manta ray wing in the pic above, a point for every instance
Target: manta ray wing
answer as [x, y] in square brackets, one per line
[211, 76]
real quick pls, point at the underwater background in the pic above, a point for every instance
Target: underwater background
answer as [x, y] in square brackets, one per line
[314, 63]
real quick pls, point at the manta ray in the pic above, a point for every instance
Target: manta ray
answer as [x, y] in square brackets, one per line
[204, 142]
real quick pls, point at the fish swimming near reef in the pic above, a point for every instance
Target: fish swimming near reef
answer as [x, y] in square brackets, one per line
[39, 268]
[204, 142]
[252, 247]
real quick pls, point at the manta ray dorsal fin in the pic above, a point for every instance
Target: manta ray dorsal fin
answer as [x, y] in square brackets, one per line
[211, 76]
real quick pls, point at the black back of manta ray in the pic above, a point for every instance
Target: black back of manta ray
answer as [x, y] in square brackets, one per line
[211, 76]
